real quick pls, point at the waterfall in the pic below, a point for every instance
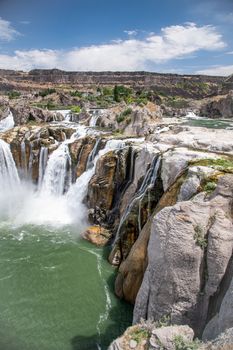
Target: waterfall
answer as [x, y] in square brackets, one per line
[93, 154]
[23, 159]
[94, 118]
[57, 176]
[7, 123]
[42, 164]
[65, 113]
[9, 178]
[78, 191]
[9, 182]
[148, 182]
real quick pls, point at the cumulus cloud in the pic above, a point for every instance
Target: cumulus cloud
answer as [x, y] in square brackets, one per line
[173, 42]
[217, 70]
[7, 32]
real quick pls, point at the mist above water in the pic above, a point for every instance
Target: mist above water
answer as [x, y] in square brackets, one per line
[55, 201]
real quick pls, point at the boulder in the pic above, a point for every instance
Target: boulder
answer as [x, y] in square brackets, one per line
[97, 235]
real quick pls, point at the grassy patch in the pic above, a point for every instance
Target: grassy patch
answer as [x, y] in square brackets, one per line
[218, 163]
[46, 92]
[199, 238]
[75, 109]
[182, 344]
[13, 94]
[210, 187]
[139, 334]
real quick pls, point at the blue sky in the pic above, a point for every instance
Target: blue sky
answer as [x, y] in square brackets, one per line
[180, 36]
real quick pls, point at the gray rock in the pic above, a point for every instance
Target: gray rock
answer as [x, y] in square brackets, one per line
[188, 254]
[164, 337]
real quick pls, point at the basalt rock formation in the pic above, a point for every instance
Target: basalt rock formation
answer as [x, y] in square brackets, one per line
[185, 85]
[221, 107]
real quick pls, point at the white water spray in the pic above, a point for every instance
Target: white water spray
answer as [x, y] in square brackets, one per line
[57, 177]
[7, 123]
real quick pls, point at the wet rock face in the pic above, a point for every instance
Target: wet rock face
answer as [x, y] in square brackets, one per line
[104, 187]
[188, 254]
[80, 151]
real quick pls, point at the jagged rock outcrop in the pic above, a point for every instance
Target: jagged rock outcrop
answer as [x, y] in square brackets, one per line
[109, 177]
[219, 107]
[149, 336]
[188, 254]
[97, 235]
[23, 114]
[80, 150]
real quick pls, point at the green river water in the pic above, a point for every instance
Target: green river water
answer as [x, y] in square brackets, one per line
[56, 291]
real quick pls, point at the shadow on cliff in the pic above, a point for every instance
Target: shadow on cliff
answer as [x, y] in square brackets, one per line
[118, 322]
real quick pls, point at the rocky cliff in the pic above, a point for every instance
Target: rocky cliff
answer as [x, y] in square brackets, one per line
[174, 84]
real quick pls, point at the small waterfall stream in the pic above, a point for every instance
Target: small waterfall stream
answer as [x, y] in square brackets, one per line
[42, 165]
[7, 123]
[94, 118]
[148, 182]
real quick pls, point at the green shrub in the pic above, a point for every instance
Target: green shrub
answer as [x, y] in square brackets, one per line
[210, 187]
[139, 334]
[46, 92]
[14, 94]
[200, 240]
[120, 118]
[75, 109]
[75, 93]
[182, 344]
[127, 112]
[219, 163]
[107, 91]
[121, 92]
[164, 321]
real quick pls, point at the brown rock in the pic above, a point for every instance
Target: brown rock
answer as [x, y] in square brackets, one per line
[97, 235]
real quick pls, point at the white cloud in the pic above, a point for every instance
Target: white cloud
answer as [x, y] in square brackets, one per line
[7, 32]
[229, 53]
[217, 70]
[131, 32]
[174, 42]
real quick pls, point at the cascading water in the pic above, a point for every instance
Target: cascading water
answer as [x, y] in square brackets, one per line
[23, 159]
[148, 182]
[92, 155]
[9, 181]
[78, 191]
[42, 165]
[9, 178]
[7, 123]
[57, 176]
[94, 118]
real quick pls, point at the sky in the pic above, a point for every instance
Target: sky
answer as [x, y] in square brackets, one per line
[173, 36]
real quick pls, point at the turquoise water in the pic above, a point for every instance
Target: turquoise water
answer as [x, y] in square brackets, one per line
[56, 292]
[210, 123]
